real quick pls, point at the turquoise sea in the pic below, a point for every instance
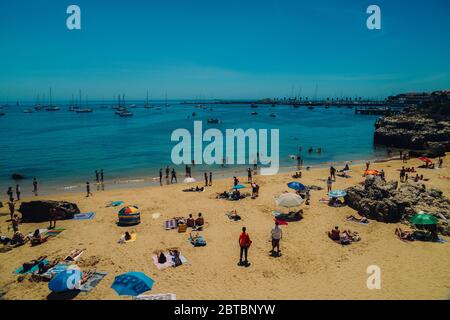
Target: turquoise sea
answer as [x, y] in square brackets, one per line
[62, 148]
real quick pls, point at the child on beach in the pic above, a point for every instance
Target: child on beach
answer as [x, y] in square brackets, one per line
[329, 183]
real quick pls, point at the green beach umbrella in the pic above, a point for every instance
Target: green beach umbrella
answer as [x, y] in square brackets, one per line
[423, 219]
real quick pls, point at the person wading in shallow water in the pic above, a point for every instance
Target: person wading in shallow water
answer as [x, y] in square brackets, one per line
[35, 187]
[174, 176]
[244, 244]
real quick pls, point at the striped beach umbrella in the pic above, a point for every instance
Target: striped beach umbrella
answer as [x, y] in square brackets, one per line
[129, 216]
[425, 159]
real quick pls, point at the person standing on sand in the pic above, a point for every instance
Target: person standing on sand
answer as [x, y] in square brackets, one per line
[97, 177]
[186, 171]
[88, 189]
[249, 175]
[367, 165]
[174, 176]
[11, 208]
[52, 213]
[18, 192]
[440, 162]
[244, 244]
[210, 178]
[15, 223]
[402, 174]
[307, 197]
[276, 234]
[10, 194]
[329, 183]
[167, 172]
[401, 154]
[333, 173]
[206, 179]
[35, 187]
[160, 176]
[235, 181]
[101, 176]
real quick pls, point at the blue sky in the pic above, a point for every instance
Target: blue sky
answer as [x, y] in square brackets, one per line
[222, 48]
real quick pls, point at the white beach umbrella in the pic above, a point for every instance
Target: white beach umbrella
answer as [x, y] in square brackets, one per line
[189, 180]
[289, 200]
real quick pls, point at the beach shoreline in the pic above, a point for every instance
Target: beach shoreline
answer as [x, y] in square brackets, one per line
[311, 267]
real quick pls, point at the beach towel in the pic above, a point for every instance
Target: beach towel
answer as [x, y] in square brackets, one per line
[54, 232]
[69, 258]
[352, 219]
[93, 281]
[169, 261]
[233, 217]
[276, 213]
[84, 216]
[50, 273]
[200, 241]
[41, 233]
[34, 269]
[133, 237]
[170, 224]
[114, 203]
[281, 222]
[159, 296]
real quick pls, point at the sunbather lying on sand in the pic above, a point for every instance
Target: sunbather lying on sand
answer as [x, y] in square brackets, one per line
[86, 276]
[19, 239]
[74, 254]
[43, 268]
[37, 239]
[30, 264]
[196, 189]
[233, 215]
[404, 235]
[359, 220]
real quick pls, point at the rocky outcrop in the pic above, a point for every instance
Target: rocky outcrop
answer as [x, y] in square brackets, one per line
[419, 133]
[38, 211]
[390, 202]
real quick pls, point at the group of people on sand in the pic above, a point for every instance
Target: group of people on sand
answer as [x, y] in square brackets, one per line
[276, 234]
[345, 237]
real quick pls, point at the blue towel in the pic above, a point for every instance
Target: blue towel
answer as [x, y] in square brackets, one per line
[200, 242]
[84, 216]
[35, 268]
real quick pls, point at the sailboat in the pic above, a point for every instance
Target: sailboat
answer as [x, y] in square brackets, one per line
[147, 105]
[51, 107]
[84, 110]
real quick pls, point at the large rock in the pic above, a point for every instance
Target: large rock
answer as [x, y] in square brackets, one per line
[418, 132]
[389, 202]
[38, 211]
[17, 176]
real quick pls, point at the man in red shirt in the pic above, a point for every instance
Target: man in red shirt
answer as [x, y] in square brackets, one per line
[244, 244]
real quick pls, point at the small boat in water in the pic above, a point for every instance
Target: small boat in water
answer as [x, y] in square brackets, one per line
[311, 108]
[254, 113]
[272, 115]
[84, 110]
[213, 120]
[194, 114]
[73, 108]
[253, 106]
[28, 111]
[52, 108]
[126, 114]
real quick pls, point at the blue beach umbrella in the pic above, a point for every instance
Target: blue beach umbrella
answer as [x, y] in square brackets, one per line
[296, 186]
[132, 284]
[238, 186]
[66, 280]
[337, 193]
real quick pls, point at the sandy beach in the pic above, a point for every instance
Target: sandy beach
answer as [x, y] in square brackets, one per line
[311, 266]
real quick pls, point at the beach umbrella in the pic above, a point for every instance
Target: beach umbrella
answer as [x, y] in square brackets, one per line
[423, 218]
[132, 284]
[296, 186]
[129, 216]
[238, 186]
[189, 180]
[371, 172]
[66, 280]
[425, 159]
[337, 193]
[289, 200]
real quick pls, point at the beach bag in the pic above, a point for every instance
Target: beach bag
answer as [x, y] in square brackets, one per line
[162, 258]
[182, 228]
